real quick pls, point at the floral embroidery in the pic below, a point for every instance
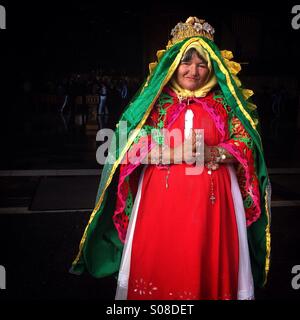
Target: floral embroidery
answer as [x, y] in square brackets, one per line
[145, 131]
[158, 117]
[141, 287]
[185, 295]
[217, 112]
[129, 201]
[240, 145]
[162, 105]
[219, 97]
[144, 288]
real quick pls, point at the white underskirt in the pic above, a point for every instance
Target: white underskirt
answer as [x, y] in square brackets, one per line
[245, 279]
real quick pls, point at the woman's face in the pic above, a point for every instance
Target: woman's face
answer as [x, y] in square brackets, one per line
[192, 74]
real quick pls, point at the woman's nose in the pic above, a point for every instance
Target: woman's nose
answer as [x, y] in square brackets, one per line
[193, 70]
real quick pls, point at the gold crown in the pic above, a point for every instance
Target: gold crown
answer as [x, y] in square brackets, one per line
[190, 28]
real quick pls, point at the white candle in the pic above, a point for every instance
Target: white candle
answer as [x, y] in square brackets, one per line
[188, 125]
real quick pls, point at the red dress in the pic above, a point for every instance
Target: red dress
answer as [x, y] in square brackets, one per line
[185, 247]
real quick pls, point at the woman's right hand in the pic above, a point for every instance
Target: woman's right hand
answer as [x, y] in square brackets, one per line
[186, 151]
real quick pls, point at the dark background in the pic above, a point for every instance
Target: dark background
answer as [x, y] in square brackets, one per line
[45, 41]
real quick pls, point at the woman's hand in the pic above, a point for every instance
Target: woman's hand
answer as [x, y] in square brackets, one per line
[185, 152]
[188, 150]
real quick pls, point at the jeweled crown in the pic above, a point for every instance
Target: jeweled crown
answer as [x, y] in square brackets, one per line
[191, 27]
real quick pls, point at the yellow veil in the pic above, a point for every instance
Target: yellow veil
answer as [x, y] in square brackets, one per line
[209, 84]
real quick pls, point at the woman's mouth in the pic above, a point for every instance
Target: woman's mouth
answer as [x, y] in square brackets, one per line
[191, 78]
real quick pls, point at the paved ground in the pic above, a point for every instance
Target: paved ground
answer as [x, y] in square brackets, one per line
[39, 249]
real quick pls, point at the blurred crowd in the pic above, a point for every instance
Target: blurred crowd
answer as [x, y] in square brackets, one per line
[73, 93]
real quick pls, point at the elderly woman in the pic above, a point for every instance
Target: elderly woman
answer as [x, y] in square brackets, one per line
[180, 229]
